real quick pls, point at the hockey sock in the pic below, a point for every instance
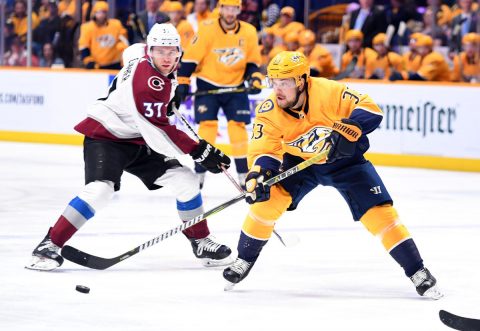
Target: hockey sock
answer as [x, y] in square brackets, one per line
[241, 165]
[188, 210]
[249, 248]
[95, 196]
[238, 139]
[407, 255]
[383, 222]
[77, 213]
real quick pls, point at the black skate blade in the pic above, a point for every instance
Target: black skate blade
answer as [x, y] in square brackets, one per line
[459, 322]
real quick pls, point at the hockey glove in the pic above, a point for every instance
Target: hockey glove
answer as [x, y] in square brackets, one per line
[209, 157]
[343, 139]
[256, 190]
[180, 95]
[255, 83]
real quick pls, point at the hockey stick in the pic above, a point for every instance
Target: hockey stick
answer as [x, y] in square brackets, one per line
[459, 322]
[223, 91]
[229, 176]
[348, 70]
[95, 262]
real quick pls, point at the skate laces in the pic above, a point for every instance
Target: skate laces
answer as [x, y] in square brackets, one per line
[419, 277]
[240, 266]
[208, 245]
[48, 245]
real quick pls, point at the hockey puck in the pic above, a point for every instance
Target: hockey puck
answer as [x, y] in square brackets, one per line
[83, 289]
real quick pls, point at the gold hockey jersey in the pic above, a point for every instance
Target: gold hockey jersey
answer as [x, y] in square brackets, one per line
[277, 131]
[106, 43]
[222, 56]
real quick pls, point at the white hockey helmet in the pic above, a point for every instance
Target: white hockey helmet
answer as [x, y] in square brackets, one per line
[164, 34]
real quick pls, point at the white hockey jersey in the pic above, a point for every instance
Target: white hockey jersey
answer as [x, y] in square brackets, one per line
[135, 110]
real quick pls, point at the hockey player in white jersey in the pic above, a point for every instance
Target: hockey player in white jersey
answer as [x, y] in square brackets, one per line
[128, 130]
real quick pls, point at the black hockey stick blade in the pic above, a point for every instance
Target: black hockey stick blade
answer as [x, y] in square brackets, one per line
[348, 70]
[94, 262]
[458, 322]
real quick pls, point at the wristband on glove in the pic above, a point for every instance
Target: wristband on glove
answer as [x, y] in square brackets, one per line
[343, 139]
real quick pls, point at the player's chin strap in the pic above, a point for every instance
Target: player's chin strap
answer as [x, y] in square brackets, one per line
[229, 176]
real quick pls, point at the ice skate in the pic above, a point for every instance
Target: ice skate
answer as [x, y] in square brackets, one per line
[426, 284]
[236, 272]
[211, 253]
[45, 256]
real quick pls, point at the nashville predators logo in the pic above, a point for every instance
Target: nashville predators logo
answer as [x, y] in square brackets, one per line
[106, 41]
[229, 56]
[313, 141]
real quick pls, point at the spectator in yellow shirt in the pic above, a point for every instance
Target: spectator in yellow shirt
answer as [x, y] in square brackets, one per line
[320, 59]
[433, 66]
[411, 59]
[201, 12]
[364, 55]
[102, 40]
[466, 65]
[267, 38]
[386, 61]
[286, 24]
[185, 29]
[19, 20]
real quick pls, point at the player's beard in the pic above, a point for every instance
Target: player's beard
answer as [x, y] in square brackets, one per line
[229, 21]
[286, 103]
[289, 103]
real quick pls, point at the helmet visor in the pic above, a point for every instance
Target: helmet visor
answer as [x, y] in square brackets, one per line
[281, 83]
[165, 52]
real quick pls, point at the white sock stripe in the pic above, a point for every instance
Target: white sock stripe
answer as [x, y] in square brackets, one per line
[74, 217]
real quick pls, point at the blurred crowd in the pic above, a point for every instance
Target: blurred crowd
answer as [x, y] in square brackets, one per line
[390, 39]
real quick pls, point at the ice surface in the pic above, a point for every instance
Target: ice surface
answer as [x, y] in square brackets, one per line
[338, 277]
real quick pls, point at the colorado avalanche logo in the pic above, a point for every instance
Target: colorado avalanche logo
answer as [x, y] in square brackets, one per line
[313, 141]
[155, 83]
[229, 56]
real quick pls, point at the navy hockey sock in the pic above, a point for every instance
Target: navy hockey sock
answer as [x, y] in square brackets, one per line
[408, 256]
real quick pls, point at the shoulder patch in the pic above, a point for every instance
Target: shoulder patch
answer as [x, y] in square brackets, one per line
[267, 105]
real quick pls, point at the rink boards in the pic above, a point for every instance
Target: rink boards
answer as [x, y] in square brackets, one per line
[430, 125]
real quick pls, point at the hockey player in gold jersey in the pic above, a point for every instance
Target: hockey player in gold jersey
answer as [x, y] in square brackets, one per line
[302, 117]
[225, 53]
[102, 40]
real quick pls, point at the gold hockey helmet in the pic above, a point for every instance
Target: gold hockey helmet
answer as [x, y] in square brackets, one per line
[288, 64]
